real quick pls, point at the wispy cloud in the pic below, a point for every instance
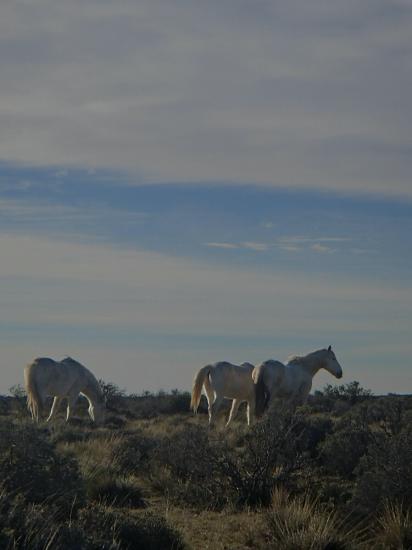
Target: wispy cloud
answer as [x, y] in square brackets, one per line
[248, 245]
[258, 247]
[322, 249]
[226, 246]
[299, 243]
[290, 248]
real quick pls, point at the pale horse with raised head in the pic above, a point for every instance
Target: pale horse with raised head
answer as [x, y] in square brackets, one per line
[293, 380]
[223, 380]
[45, 377]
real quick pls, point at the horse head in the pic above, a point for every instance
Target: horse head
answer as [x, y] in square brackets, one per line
[97, 412]
[331, 363]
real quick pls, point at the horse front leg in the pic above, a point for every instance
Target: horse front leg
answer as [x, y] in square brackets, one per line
[56, 402]
[250, 411]
[71, 402]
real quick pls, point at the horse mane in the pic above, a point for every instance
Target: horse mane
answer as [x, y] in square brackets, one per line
[299, 359]
[295, 359]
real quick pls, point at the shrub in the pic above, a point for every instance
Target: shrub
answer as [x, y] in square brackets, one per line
[342, 450]
[205, 469]
[352, 392]
[133, 452]
[269, 454]
[112, 394]
[149, 405]
[184, 468]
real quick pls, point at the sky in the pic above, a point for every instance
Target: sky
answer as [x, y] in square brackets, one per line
[188, 182]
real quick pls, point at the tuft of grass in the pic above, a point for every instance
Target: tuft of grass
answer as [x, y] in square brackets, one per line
[301, 522]
[394, 529]
[92, 453]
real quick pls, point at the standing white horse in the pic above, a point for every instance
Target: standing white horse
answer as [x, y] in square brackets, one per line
[65, 379]
[222, 380]
[292, 381]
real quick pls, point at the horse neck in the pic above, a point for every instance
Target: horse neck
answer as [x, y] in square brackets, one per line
[312, 363]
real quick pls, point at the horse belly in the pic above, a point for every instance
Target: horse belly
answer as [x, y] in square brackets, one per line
[238, 389]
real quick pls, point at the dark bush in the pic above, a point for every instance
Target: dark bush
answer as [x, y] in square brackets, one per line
[150, 405]
[133, 453]
[25, 526]
[342, 450]
[269, 455]
[312, 430]
[109, 529]
[109, 490]
[30, 466]
[184, 467]
[385, 472]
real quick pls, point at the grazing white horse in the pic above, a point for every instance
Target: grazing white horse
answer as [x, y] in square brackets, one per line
[222, 380]
[65, 379]
[292, 381]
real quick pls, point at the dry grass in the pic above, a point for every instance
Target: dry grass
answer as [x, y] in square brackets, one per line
[302, 523]
[93, 453]
[229, 529]
[394, 527]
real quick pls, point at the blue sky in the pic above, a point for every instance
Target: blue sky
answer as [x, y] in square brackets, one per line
[204, 181]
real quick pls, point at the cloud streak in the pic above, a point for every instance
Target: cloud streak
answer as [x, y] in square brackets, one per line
[276, 95]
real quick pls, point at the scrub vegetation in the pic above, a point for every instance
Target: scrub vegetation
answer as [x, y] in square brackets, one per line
[335, 473]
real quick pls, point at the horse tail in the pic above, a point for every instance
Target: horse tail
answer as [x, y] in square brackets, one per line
[34, 402]
[202, 377]
[261, 392]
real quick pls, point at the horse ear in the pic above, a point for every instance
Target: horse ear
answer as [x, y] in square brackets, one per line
[330, 348]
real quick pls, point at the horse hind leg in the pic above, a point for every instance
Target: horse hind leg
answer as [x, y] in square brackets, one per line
[233, 411]
[210, 395]
[214, 408]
